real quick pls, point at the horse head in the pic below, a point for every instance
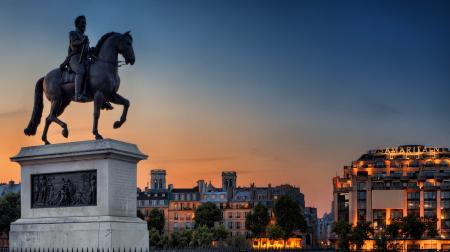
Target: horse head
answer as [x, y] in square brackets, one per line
[125, 47]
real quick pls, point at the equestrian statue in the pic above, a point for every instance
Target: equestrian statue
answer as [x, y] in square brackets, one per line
[87, 74]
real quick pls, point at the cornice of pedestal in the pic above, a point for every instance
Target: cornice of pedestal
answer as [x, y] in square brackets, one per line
[72, 151]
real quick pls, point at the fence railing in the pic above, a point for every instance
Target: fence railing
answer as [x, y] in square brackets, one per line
[158, 250]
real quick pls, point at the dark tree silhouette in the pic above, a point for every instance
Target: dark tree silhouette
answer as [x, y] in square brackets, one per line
[289, 216]
[257, 220]
[343, 230]
[156, 220]
[9, 211]
[207, 214]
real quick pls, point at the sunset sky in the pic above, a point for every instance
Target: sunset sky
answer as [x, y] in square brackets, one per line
[279, 91]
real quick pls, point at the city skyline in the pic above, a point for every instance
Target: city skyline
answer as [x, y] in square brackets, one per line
[280, 92]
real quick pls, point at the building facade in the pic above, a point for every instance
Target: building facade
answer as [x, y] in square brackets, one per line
[151, 199]
[182, 205]
[387, 184]
[179, 204]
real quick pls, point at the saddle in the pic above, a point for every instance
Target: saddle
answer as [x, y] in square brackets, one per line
[67, 75]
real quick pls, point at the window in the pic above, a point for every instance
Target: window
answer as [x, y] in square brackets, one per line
[175, 216]
[230, 215]
[361, 186]
[238, 225]
[361, 205]
[230, 225]
[379, 218]
[413, 195]
[343, 207]
[238, 215]
[396, 214]
[445, 204]
[429, 205]
[445, 195]
[429, 195]
[361, 195]
[361, 215]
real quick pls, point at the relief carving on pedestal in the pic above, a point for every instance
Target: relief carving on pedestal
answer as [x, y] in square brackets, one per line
[64, 189]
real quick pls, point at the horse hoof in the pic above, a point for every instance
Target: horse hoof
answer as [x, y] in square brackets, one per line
[98, 137]
[65, 133]
[46, 142]
[117, 124]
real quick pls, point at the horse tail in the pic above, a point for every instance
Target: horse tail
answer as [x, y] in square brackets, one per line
[37, 109]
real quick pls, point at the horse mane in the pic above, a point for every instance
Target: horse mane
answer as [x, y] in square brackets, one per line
[96, 50]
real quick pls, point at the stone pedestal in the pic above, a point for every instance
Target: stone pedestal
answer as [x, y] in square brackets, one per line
[79, 195]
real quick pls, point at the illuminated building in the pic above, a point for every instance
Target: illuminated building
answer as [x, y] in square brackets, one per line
[387, 184]
[235, 202]
[234, 217]
[150, 199]
[182, 205]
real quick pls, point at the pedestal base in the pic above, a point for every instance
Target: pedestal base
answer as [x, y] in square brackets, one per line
[79, 195]
[102, 232]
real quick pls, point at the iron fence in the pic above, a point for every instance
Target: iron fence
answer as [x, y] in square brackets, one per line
[158, 250]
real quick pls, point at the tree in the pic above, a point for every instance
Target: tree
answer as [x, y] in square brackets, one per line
[343, 230]
[381, 241]
[164, 243]
[431, 228]
[156, 220]
[413, 227]
[257, 220]
[237, 243]
[9, 211]
[289, 216]
[155, 239]
[207, 214]
[174, 240]
[202, 237]
[393, 230]
[220, 233]
[185, 238]
[360, 233]
[274, 232]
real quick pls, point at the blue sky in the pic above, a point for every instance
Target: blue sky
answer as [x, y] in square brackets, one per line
[281, 91]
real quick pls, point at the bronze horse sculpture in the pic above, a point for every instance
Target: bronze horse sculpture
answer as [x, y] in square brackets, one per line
[102, 86]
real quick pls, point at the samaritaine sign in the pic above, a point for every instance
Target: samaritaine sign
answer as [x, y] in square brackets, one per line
[408, 150]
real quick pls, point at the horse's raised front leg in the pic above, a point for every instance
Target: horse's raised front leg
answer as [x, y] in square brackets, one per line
[118, 99]
[98, 101]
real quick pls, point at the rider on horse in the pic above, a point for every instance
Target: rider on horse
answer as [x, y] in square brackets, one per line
[77, 57]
